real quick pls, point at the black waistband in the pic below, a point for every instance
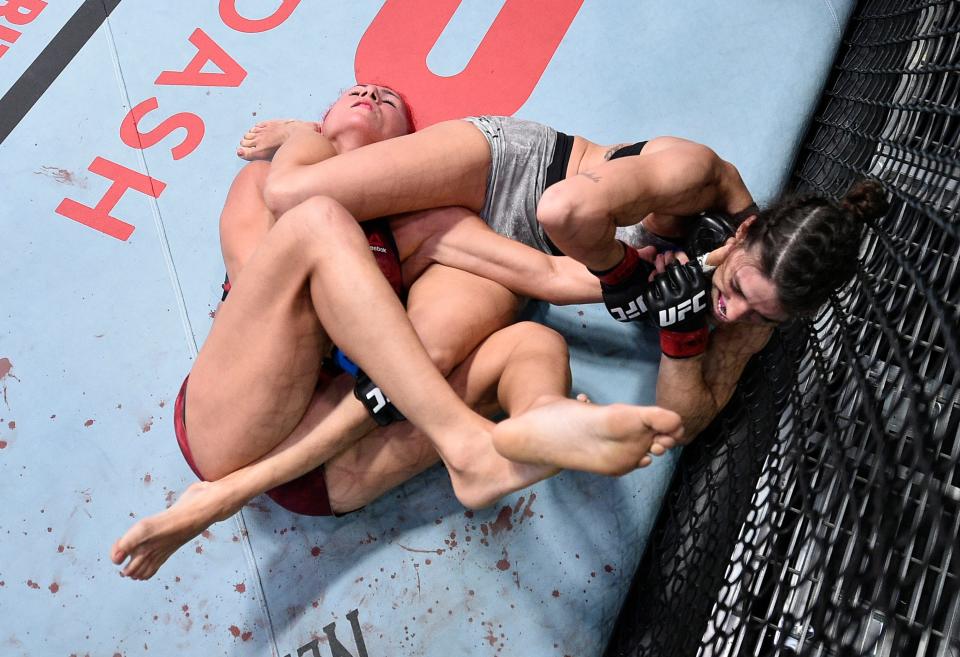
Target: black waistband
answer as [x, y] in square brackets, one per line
[557, 170]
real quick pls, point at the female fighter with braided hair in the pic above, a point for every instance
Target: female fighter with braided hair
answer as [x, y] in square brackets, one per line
[782, 263]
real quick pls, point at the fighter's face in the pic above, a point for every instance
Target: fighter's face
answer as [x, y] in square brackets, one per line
[743, 293]
[374, 111]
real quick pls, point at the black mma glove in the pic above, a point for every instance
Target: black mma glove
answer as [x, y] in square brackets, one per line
[379, 406]
[623, 286]
[710, 231]
[679, 303]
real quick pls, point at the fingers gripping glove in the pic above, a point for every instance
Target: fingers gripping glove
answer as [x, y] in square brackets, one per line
[623, 286]
[379, 406]
[679, 302]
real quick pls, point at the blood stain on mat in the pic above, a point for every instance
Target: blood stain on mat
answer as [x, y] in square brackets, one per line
[11, 424]
[555, 593]
[527, 512]
[169, 497]
[32, 584]
[504, 564]
[368, 540]
[316, 551]
[60, 548]
[240, 588]
[88, 423]
[147, 478]
[62, 176]
[468, 513]
[234, 630]
[3, 444]
[608, 568]
[146, 426]
[503, 521]
[5, 368]
[207, 534]
[54, 587]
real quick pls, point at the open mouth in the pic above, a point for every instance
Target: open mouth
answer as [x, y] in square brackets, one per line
[721, 307]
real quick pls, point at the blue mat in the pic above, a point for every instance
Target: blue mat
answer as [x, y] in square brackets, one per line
[102, 321]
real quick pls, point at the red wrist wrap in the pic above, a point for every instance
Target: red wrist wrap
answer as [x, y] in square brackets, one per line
[676, 344]
[621, 271]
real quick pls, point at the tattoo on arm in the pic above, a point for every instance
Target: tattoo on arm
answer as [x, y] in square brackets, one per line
[591, 175]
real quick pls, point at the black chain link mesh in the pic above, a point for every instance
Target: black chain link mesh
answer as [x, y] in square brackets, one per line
[819, 515]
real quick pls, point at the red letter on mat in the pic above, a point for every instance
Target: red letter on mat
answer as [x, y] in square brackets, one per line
[232, 18]
[207, 51]
[132, 137]
[99, 217]
[498, 79]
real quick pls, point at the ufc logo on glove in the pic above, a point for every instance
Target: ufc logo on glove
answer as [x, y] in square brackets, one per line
[679, 312]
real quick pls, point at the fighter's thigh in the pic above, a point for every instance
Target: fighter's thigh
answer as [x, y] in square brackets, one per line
[444, 164]
[453, 312]
[245, 218]
[258, 368]
[532, 356]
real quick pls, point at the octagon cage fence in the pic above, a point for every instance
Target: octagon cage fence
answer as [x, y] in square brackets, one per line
[819, 514]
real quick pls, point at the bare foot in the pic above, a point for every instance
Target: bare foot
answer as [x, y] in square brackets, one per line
[151, 541]
[262, 140]
[565, 433]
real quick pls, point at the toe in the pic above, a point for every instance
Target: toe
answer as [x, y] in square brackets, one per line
[117, 555]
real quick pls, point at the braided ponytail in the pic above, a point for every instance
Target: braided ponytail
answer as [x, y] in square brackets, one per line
[865, 201]
[808, 245]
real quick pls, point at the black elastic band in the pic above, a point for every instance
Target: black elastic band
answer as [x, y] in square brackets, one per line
[748, 211]
[627, 151]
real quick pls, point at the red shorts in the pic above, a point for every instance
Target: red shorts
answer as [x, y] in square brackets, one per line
[306, 495]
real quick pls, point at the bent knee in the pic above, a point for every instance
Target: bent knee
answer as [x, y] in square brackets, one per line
[531, 335]
[254, 173]
[318, 220]
[559, 211]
